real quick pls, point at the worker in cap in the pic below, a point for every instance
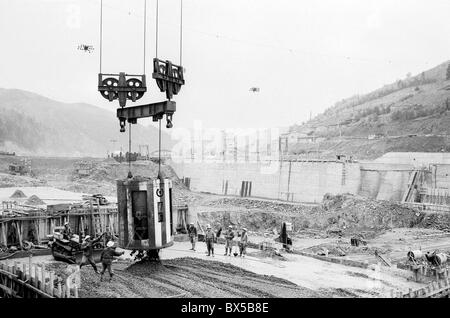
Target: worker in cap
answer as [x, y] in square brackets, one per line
[243, 243]
[209, 239]
[67, 232]
[229, 236]
[192, 231]
[107, 257]
[87, 247]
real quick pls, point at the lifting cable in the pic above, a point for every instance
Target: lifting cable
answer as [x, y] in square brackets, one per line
[156, 28]
[101, 33]
[181, 31]
[159, 150]
[156, 55]
[145, 29]
[129, 151]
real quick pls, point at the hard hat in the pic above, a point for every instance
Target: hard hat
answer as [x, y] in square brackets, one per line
[208, 226]
[244, 229]
[191, 223]
[87, 237]
[66, 223]
[110, 244]
[230, 226]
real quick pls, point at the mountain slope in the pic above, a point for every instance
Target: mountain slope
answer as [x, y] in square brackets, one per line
[412, 114]
[31, 124]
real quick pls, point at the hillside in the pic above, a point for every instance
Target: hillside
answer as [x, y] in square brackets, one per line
[412, 114]
[31, 124]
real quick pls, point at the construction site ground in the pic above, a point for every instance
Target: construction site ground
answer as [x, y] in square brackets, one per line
[185, 273]
[388, 228]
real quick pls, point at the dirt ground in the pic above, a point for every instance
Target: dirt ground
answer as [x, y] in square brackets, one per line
[188, 277]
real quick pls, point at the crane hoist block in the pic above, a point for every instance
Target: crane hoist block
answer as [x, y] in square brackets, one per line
[122, 87]
[169, 77]
[145, 213]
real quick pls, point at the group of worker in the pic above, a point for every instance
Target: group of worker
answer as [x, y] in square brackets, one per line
[87, 246]
[211, 238]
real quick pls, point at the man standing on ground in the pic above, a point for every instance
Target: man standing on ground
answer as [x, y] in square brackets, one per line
[107, 257]
[229, 236]
[87, 247]
[209, 239]
[192, 235]
[243, 243]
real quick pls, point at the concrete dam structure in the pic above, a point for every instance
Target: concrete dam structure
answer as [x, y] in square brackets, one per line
[308, 181]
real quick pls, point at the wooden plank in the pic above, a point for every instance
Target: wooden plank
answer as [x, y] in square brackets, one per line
[34, 289]
[7, 273]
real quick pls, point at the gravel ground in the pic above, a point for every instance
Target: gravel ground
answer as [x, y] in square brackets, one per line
[188, 277]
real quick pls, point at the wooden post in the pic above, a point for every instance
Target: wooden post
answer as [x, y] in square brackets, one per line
[24, 271]
[43, 285]
[19, 232]
[36, 276]
[91, 219]
[59, 288]
[52, 286]
[30, 256]
[68, 283]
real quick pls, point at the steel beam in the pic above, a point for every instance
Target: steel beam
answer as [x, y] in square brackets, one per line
[155, 110]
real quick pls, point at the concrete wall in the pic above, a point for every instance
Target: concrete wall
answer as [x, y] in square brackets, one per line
[309, 181]
[305, 181]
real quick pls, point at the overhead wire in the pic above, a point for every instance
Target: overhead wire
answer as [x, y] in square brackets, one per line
[181, 32]
[156, 31]
[219, 36]
[145, 30]
[101, 33]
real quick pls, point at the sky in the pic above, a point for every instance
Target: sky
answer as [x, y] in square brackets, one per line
[303, 55]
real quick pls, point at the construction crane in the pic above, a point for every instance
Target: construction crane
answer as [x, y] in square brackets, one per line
[144, 228]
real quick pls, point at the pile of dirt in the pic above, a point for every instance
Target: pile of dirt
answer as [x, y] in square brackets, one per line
[344, 248]
[264, 205]
[437, 221]
[350, 212]
[8, 181]
[189, 277]
[338, 215]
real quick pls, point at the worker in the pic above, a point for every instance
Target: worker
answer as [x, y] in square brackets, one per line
[243, 243]
[67, 232]
[107, 257]
[87, 248]
[209, 239]
[229, 236]
[192, 235]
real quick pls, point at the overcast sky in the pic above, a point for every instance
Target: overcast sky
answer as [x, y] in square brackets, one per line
[303, 55]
